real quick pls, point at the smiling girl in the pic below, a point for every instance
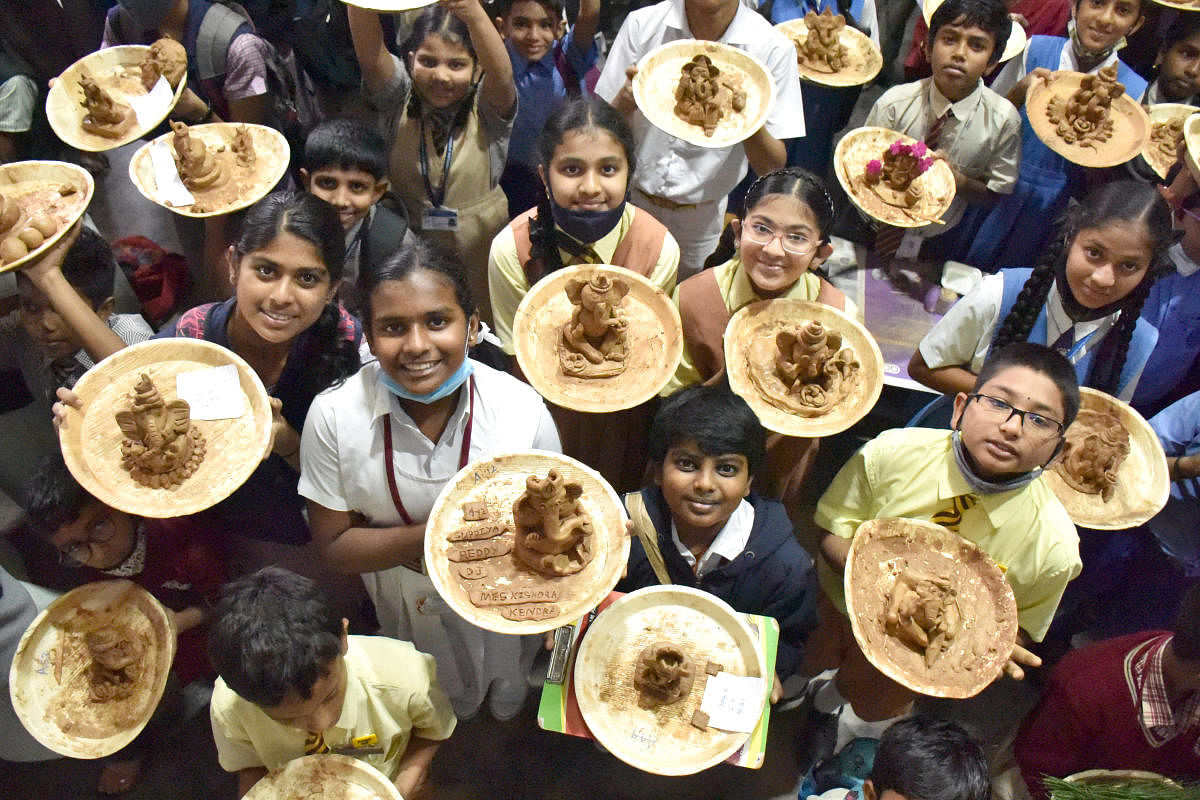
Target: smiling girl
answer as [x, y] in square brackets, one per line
[450, 105]
[377, 451]
[1083, 300]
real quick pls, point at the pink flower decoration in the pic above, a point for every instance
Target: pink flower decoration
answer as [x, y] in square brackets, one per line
[897, 148]
[919, 149]
[925, 163]
[874, 166]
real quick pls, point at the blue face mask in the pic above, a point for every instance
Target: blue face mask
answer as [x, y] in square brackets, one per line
[448, 387]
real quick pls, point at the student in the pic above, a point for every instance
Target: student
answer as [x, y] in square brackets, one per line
[1005, 432]
[1178, 429]
[321, 690]
[548, 69]
[1083, 299]
[1177, 65]
[378, 449]
[449, 127]
[1127, 703]
[700, 525]
[1018, 228]
[168, 558]
[771, 251]
[345, 164]
[974, 130]
[685, 186]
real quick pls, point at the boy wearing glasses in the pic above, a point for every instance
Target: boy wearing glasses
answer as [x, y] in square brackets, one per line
[983, 480]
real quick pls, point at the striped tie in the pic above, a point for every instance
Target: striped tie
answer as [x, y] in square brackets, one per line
[315, 743]
[951, 518]
[887, 240]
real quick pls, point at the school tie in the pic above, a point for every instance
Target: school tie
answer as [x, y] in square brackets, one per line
[951, 517]
[1064, 343]
[887, 240]
[934, 135]
[315, 743]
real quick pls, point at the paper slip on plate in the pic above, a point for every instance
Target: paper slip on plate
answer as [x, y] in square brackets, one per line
[649, 321]
[327, 776]
[819, 401]
[117, 71]
[1131, 126]
[242, 185]
[51, 679]
[1167, 121]
[1017, 38]
[662, 740]
[658, 77]
[91, 439]
[863, 145]
[30, 190]
[862, 60]
[913, 575]
[471, 545]
[1142, 483]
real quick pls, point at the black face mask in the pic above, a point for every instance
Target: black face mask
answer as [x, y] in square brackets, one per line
[1076, 311]
[586, 227]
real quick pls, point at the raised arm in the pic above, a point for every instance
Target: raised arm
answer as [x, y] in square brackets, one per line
[497, 89]
[350, 546]
[586, 24]
[764, 152]
[373, 57]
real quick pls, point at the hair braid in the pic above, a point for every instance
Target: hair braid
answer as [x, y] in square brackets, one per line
[330, 356]
[1110, 358]
[1019, 323]
[543, 242]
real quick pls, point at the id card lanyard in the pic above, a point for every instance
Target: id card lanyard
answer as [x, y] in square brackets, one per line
[438, 218]
[463, 454]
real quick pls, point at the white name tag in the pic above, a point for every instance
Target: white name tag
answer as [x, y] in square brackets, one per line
[439, 219]
[910, 246]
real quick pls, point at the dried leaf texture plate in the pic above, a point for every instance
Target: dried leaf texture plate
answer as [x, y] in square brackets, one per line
[245, 185]
[91, 439]
[117, 70]
[863, 58]
[519, 599]
[1161, 160]
[37, 187]
[750, 347]
[1191, 139]
[389, 5]
[658, 77]
[49, 680]
[1182, 5]
[652, 355]
[662, 740]
[1143, 485]
[1131, 126]
[1017, 39]
[860, 146]
[325, 777]
[882, 549]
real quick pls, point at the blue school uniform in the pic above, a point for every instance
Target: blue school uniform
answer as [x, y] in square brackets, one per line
[1173, 308]
[1083, 355]
[1016, 229]
[1178, 429]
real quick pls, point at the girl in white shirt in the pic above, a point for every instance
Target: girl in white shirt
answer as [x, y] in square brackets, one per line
[377, 451]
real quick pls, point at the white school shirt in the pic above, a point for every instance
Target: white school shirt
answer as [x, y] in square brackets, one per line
[1014, 69]
[963, 337]
[728, 544]
[670, 167]
[342, 468]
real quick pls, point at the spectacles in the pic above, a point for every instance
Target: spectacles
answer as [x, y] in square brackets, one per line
[77, 553]
[795, 243]
[1001, 411]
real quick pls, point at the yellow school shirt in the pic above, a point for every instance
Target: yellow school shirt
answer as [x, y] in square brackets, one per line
[911, 472]
[391, 692]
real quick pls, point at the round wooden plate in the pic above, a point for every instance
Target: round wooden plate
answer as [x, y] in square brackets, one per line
[880, 551]
[864, 57]
[117, 71]
[658, 77]
[1017, 39]
[750, 344]
[91, 439]
[515, 589]
[652, 355]
[327, 776]
[245, 186]
[1131, 126]
[1191, 139]
[37, 187]
[1182, 5]
[1161, 160]
[389, 5]
[1143, 485]
[662, 740]
[860, 146]
[48, 679]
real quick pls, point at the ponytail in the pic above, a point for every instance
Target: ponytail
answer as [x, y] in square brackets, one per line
[544, 257]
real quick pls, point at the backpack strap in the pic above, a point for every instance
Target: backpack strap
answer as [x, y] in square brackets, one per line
[220, 25]
[705, 316]
[647, 534]
[641, 246]
[384, 235]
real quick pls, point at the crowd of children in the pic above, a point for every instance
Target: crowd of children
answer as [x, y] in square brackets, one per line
[447, 159]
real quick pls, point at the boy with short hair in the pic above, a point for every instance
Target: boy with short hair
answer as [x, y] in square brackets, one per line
[972, 128]
[700, 525]
[321, 691]
[346, 165]
[982, 480]
[548, 67]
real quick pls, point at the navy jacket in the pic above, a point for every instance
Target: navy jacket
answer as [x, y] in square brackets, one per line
[773, 576]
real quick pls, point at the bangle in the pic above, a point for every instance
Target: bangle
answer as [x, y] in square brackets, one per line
[289, 455]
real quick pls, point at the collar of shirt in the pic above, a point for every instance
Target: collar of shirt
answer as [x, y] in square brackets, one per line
[1057, 319]
[1183, 265]
[742, 293]
[354, 700]
[938, 102]
[384, 402]
[521, 65]
[1001, 508]
[736, 34]
[728, 544]
[1144, 673]
[1068, 61]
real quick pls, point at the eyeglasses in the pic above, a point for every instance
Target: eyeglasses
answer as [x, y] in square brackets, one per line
[1001, 411]
[77, 553]
[795, 243]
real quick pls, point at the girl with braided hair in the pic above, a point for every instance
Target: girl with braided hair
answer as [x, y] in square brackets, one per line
[1084, 299]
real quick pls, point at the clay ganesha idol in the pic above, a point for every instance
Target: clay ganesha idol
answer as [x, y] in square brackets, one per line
[894, 176]
[594, 340]
[814, 367]
[822, 49]
[701, 98]
[663, 674]
[162, 447]
[1085, 118]
[105, 116]
[554, 533]
[1096, 445]
[923, 613]
[116, 665]
[198, 168]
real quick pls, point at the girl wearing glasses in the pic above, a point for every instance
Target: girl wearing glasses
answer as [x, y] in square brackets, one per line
[771, 251]
[1083, 300]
